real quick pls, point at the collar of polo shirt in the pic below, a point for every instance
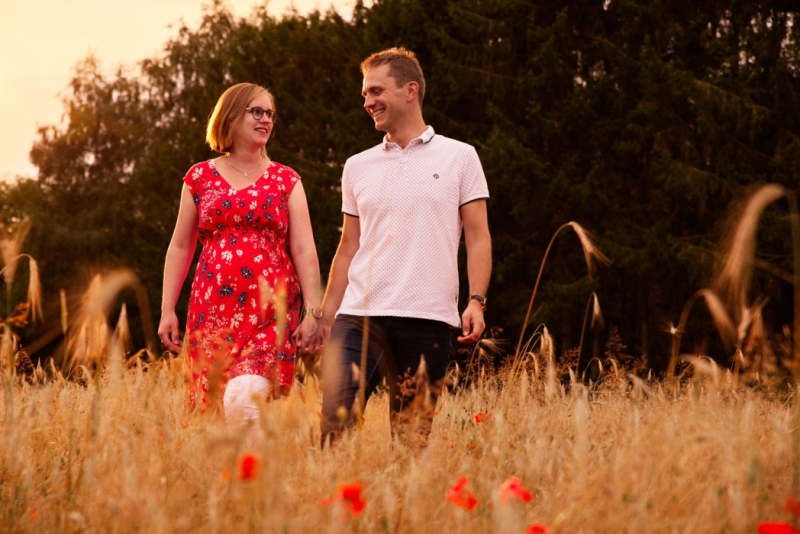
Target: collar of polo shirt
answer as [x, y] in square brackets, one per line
[426, 136]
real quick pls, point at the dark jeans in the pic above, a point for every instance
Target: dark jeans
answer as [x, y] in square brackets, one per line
[396, 345]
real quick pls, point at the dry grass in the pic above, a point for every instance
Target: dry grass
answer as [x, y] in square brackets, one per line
[614, 458]
[698, 453]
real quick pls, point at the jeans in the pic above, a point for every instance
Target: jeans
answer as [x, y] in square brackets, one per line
[396, 346]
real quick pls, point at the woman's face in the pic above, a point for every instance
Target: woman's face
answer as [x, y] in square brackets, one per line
[250, 133]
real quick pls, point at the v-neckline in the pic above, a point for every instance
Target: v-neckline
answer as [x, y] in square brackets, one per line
[260, 176]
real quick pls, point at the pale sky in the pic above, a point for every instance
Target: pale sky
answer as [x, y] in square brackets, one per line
[42, 40]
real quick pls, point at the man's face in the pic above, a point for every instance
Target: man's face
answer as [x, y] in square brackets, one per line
[383, 99]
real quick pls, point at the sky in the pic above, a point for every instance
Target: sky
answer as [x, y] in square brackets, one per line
[42, 40]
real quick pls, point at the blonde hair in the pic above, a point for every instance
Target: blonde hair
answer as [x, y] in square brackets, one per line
[230, 108]
[403, 67]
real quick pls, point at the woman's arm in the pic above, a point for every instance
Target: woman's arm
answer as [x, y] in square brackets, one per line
[179, 258]
[306, 262]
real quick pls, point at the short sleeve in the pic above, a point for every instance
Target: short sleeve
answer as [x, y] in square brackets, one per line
[288, 178]
[193, 178]
[473, 182]
[349, 205]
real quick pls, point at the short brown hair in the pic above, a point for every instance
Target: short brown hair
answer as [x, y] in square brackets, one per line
[230, 107]
[403, 67]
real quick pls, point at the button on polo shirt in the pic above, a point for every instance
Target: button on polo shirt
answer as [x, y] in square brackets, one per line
[408, 201]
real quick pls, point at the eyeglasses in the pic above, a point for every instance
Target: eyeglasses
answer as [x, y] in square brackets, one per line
[258, 113]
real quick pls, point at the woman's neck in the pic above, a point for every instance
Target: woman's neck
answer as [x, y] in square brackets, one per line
[245, 158]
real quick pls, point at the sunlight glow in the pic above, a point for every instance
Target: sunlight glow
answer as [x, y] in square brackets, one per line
[42, 40]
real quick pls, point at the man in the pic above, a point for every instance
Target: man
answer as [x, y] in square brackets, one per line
[394, 279]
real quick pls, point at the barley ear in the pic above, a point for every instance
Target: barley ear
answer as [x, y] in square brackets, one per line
[733, 280]
[591, 253]
[265, 297]
[7, 349]
[34, 289]
[122, 332]
[10, 246]
[280, 310]
[64, 311]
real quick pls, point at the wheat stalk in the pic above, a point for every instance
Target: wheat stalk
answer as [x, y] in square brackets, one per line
[722, 320]
[591, 253]
[733, 280]
[88, 335]
[596, 318]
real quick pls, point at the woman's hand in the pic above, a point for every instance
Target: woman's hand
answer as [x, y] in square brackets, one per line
[168, 331]
[309, 339]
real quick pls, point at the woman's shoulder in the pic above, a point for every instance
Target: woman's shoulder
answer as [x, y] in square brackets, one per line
[199, 171]
[280, 169]
[208, 165]
[284, 176]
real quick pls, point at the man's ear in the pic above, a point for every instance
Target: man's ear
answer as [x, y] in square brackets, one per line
[411, 90]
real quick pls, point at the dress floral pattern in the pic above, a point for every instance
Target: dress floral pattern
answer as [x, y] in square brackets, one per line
[244, 279]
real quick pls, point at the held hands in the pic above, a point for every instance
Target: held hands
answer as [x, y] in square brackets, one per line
[472, 323]
[168, 331]
[309, 338]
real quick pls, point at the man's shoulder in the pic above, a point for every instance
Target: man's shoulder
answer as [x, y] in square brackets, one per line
[449, 143]
[367, 155]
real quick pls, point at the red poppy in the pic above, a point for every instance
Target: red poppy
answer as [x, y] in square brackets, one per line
[776, 528]
[513, 489]
[461, 496]
[248, 466]
[350, 497]
[793, 506]
[480, 418]
[537, 528]
[33, 514]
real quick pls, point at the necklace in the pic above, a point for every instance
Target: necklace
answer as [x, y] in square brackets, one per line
[227, 159]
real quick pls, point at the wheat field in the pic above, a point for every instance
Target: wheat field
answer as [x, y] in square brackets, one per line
[123, 454]
[511, 450]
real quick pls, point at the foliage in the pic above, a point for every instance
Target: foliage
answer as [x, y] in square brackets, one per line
[645, 121]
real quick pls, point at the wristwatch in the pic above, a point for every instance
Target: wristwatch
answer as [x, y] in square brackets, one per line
[481, 299]
[312, 311]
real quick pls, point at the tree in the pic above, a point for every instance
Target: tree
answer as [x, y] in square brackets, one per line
[643, 120]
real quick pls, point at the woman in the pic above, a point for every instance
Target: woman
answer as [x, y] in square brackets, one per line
[245, 209]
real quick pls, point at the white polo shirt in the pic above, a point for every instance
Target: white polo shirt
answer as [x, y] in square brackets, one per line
[408, 201]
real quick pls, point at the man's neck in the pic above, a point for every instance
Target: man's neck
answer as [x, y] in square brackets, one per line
[402, 136]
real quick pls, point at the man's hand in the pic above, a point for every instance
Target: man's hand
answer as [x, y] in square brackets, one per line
[324, 332]
[472, 324]
[168, 331]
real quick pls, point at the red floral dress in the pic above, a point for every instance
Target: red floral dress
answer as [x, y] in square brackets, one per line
[245, 278]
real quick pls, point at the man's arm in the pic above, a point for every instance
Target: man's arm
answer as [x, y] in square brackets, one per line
[338, 278]
[479, 266]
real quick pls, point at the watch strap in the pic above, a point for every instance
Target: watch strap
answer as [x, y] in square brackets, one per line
[481, 299]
